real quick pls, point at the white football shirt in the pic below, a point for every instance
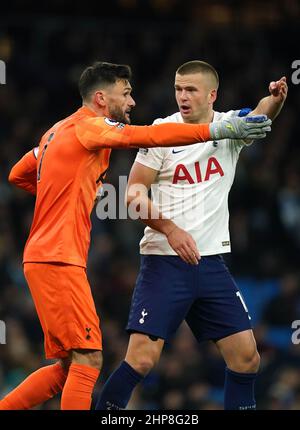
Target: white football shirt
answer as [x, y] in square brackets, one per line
[191, 188]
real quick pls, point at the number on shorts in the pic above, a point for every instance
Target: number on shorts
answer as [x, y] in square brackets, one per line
[242, 301]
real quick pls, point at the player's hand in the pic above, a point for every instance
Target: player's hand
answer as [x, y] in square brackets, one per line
[184, 245]
[248, 127]
[279, 89]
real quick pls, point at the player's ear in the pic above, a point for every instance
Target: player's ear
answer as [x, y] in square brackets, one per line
[99, 98]
[212, 96]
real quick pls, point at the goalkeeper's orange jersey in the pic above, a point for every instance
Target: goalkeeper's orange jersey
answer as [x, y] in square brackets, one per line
[73, 158]
[23, 174]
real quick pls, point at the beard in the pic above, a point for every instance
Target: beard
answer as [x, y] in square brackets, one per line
[116, 113]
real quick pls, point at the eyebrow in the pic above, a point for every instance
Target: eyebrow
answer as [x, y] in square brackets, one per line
[187, 87]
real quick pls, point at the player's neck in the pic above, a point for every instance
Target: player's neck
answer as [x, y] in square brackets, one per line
[205, 118]
[92, 107]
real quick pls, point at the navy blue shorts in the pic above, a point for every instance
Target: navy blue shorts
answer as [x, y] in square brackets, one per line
[169, 291]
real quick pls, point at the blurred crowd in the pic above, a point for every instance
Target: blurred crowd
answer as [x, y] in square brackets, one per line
[249, 46]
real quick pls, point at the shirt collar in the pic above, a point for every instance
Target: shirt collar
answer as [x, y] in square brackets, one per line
[86, 111]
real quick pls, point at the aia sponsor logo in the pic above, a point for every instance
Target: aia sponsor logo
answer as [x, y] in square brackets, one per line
[195, 176]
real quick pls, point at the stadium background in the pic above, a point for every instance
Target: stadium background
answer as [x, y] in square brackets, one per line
[250, 43]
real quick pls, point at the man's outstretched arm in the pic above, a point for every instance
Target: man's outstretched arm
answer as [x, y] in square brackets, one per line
[272, 104]
[98, 132]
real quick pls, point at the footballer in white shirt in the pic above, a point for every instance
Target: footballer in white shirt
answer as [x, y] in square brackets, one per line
[191, 187]
[183, 275]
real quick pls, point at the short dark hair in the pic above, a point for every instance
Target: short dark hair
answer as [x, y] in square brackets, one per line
[101, 74]
[197, 66]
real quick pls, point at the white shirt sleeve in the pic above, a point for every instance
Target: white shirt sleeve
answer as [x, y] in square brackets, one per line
[36, 151]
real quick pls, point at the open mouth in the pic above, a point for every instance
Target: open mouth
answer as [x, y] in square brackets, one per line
[184, 109]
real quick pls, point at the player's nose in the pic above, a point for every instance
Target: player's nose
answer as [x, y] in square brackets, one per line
[183, 96]
[131, 102]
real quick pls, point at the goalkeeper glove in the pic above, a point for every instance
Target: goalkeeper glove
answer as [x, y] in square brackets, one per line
[248, 127]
